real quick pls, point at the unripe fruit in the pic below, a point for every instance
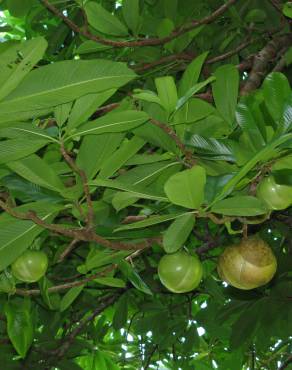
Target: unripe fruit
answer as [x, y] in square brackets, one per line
[180, 272]
[247, 265]
[30, 266]
[275, 196]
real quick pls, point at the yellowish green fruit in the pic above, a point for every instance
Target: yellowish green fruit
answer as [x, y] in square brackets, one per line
[30, 267]
[247, 265]
[180, 272]
[275, 196]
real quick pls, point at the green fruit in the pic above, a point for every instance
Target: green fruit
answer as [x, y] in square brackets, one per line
[30, 266]
[180, 272]
[247, 265]
[275, 196]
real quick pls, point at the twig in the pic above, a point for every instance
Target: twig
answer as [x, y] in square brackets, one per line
[83, 177]
[262, 60]
[68, 250]
[144, 42]
[228, 54]
[65, 286]
[81, 234]
[149, 357]
[170, 132]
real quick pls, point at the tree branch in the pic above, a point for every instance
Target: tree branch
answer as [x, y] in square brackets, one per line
[286, 363]
[145, 42]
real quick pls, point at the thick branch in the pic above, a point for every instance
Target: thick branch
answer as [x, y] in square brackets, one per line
[145, 42]
[262, 60]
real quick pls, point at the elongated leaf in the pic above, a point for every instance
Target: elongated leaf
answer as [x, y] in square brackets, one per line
[151, 220]
[17, 235]
[277, 91]
[121, 312]
[131, 14]
[242, 205]
[61, 82]
[111, 281]
[95, 151]
[191, 74]
[99, 258]
[113, 122]
[85, 106]
[135, 190]
[104, 21]
[225, 91]
[120, 156]
[17, 61]
[132, 275]
[70, 297]
[19, 325]
[36, 170]
[14, 149]
[167, 92]
[186, 188]
[178, 232]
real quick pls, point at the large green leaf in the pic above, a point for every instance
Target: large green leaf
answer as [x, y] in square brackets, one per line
[167, 92]
[61, 82]
[36, 170]
[17, 61]
[277, 91]
[131, 14]
[225, 91]
[17, 235]
[240, 205]
[186, 188]
[70, 297]
[14, 149]
[112, 122]
[178, 232]
[20, 327]
[104, 21]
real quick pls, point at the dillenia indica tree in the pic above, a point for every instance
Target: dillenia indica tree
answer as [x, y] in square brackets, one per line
[145, 184]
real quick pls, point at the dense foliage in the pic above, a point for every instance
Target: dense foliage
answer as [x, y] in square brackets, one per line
[131, 130]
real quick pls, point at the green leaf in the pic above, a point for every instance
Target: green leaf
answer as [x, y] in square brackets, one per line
[120, 156]
[98, 258]
[112, 122]
[70, 297]
[135, 190]
[283, 176]
[17, 235]
[241, 205]
[85, 106]
[61, 113]
[36, 170]
[178, 232]
[287, 9]
[111, 281]
[191, 74]
[131, 14]
[225, 91]
[11, 150]
[62, 82]
[17, 61]
[121, 312]
[276, 90]
[19, 8]
[52, 300]
[150, 221]
[129, 272]
[95, 150]
[167, 92]
[104, 21]
[19, 325]
[186, 188]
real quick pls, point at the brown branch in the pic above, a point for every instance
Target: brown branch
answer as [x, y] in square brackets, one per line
[230, 53]
[69, 285]
[262, 61]
[83, 177]
[68, 250]
[170, 132]
[144, 42]
[82, 234]
[164, 60]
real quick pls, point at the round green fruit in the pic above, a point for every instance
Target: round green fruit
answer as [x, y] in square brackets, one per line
[180, 272]
[30, 266]
[247, 265]
[275, 196]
